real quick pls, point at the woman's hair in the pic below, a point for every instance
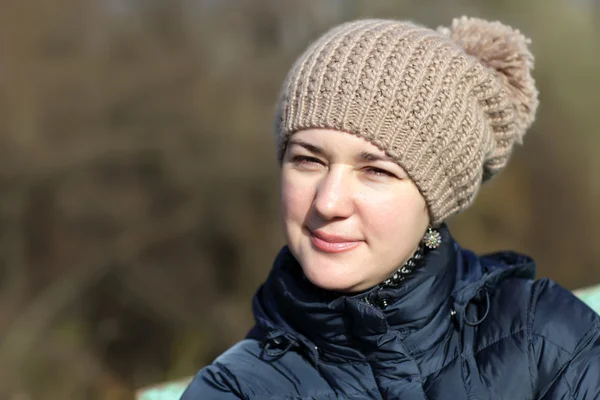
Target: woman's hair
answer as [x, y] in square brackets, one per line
[447, 105]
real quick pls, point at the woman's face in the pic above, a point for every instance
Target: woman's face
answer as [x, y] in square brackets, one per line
[351, 216]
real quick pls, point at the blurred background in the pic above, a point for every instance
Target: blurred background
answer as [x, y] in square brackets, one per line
[139, 193]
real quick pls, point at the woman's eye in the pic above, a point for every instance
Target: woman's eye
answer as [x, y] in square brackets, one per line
[306, 160]
[380, 172]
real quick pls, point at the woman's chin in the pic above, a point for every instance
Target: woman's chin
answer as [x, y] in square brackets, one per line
[334, 282]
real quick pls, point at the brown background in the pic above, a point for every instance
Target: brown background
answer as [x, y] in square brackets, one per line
[138, 207]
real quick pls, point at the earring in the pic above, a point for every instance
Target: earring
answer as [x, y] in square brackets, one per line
[432, 238]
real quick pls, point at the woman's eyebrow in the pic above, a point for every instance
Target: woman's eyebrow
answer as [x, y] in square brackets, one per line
[372, 157]
[310, 147]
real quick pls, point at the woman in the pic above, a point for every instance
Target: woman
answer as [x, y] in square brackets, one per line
[384, 130]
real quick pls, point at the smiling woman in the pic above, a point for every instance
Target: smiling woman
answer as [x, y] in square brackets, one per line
[345, 204]
[385, 129]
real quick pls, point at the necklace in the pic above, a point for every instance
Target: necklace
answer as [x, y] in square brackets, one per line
[394, 281]
[404, 272]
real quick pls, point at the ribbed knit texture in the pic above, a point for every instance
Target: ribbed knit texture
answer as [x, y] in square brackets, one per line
[449, 120]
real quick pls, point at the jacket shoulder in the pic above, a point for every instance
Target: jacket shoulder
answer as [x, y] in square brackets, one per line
[558, 334]
[543, 309]
[543, 312]
[558, 316]
[564, 341]
[218, 380]
[244, 372]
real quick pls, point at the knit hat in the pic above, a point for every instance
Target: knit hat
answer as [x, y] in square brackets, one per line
[447, 105]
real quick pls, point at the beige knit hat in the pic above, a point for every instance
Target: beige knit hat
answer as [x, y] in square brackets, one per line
[446, 105]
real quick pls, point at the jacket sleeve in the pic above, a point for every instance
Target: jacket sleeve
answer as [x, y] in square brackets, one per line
[565, 344]
[213, 382]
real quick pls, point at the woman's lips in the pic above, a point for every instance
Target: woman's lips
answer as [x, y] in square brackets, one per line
[332, 243]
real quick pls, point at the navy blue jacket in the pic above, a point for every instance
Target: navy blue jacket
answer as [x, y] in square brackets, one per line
[462, 327]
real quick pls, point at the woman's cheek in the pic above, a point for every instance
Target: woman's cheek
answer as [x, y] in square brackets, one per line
[295, 199]
[390, 215]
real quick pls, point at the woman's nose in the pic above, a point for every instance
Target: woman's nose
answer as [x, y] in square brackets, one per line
[333, 198]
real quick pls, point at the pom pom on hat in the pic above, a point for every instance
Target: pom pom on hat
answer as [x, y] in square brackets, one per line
[504, 50]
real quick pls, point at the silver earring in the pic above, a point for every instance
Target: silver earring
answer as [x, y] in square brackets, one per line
[432, 238]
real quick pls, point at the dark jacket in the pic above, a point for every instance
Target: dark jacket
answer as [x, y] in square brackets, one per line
[462, 327]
